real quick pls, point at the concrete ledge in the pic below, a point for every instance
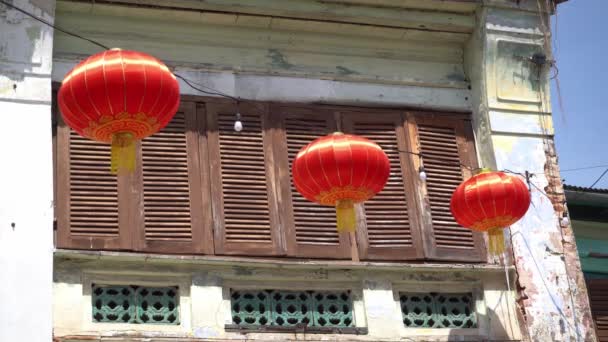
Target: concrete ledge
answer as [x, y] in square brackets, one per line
[270, 263]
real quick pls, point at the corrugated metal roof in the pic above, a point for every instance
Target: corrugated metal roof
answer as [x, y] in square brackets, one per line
[584, 189]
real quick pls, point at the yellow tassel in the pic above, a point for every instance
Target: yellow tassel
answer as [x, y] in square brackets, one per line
[123, 153]
[497, 241]
[345, 215]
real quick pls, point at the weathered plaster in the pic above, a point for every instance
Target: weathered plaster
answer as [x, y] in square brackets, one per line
[436, 15]
[310, 90]
[287, 59]
[511, 108]
[266, 45]
[26, 183]
[206, 281]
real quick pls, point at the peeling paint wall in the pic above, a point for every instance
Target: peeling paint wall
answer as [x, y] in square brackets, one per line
[263, 44]
[262, 57]
[512, 118]
[26, 183]
[204, 288]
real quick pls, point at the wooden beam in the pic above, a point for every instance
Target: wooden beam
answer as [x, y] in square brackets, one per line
[322, 11]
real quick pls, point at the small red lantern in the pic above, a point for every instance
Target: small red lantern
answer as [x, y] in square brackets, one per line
[341, 170]
[117, 96]
[490, 201]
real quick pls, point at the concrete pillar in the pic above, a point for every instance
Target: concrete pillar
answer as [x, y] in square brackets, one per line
[26, 173]
[513, 126]
[384, 318]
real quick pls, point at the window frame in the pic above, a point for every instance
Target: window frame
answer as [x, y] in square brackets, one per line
[284, 245]
[93, 277]
[356, 290]
[475, 287]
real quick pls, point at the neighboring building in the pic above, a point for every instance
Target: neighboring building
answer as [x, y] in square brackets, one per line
[588, 209]
[209, 241]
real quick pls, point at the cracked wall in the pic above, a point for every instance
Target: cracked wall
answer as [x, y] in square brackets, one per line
[514, 132]
[26, 183]
[205, 301]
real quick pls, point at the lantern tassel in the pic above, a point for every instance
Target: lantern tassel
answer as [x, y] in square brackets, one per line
[345, 216]
[497, 241]
[123, 153]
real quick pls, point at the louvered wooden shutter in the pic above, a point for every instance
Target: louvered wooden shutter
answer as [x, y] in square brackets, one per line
[598, 298]
[389, 231]
[445, 144]
[242, 181]
[88, 210]
[173, 214]
[310, 228]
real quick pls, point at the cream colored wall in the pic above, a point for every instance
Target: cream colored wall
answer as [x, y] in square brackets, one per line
[26, 174]
[205, 304]
[346, 56]
[268, 45]
[513, 125]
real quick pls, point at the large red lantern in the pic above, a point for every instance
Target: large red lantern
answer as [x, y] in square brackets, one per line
[118, 96]
[340, 170]
[490, 201]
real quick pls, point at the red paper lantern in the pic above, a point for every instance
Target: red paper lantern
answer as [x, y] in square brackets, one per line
[341, 170]
[490, 201]
[117, 96]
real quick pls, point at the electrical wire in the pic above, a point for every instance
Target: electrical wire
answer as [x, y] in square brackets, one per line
[211, 91]
[190, 83]
[444, 160]
[214, 92]
[53, 25]
[598, 179]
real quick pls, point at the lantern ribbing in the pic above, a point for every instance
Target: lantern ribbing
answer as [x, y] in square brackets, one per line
[118, 96]
[490, 201]
[341, 170]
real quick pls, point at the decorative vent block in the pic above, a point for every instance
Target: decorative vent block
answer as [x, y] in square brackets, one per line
[291, 308]
[135, 304]
[438, 310]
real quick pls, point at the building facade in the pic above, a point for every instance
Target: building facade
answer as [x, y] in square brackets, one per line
[207, 239]
[587, 211]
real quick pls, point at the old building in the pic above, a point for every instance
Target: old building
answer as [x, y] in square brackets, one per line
[208, 240]
[589, 215]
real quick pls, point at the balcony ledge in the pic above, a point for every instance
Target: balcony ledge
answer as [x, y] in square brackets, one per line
[272, 263]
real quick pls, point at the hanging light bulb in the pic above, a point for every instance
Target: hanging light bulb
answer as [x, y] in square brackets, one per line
[422, 174]
[238, 125]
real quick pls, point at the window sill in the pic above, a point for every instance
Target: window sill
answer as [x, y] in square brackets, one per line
[282, 263]
[296, 329]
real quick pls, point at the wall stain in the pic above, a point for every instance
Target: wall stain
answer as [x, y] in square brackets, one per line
[456, 77]
[33, 33]
[242, 271]
[47, 7]
[278, 59]
[344, 71]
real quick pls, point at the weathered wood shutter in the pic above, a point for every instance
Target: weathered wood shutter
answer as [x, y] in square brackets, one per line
[445, 144]
[242, 181]
[310, 228]
[389, 231]
[170, 188]
[89, 210]
[598, 298]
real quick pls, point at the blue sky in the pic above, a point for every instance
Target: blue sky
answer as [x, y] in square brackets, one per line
[581, 51]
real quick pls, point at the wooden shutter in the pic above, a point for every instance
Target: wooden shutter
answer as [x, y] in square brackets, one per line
[88, 207]
[242, 186]
[310, 228]
[389, 231]
[173, 214]
[598, 298]
[445, 144]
